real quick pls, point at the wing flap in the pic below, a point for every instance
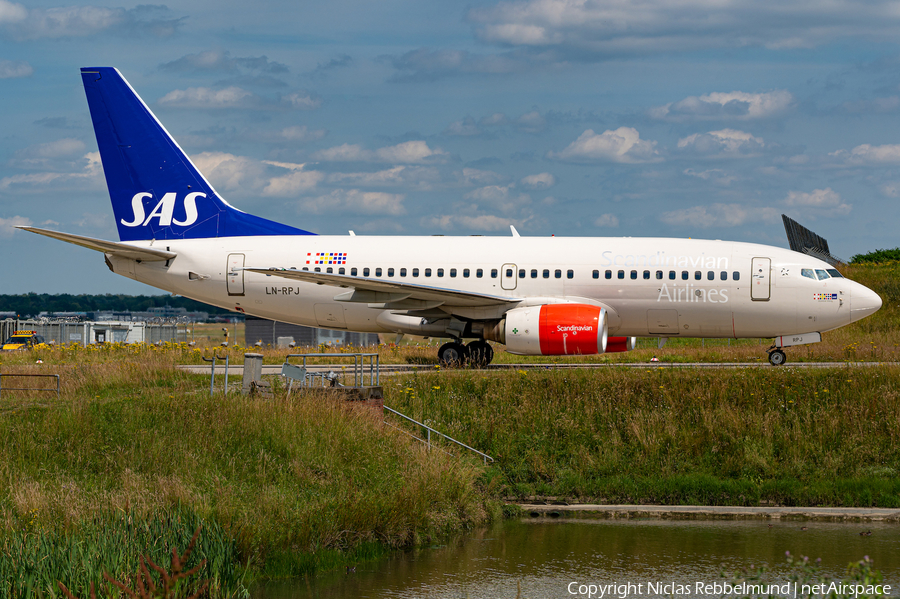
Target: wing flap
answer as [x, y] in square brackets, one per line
[392, 289]
[107, 247]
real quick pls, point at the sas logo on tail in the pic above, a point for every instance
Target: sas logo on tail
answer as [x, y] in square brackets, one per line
[164, 210]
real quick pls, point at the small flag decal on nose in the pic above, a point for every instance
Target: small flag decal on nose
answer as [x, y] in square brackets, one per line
[326, 258]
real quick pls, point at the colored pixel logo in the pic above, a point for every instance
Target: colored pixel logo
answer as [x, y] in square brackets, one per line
[326, 258]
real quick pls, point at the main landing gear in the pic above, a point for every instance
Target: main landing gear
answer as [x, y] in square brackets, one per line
[478, 353]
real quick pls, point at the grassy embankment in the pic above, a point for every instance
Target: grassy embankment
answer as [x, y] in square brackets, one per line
[285, 487]
[138, 452]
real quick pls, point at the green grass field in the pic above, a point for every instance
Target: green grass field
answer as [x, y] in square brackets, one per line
[136, 454]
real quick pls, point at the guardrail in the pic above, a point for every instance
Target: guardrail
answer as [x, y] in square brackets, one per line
[428, 431]
[8, 375]
[366, 367]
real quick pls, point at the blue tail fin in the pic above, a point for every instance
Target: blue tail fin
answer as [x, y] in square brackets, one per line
[156, 192]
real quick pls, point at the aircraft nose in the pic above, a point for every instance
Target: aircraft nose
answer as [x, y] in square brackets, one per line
[864, 302]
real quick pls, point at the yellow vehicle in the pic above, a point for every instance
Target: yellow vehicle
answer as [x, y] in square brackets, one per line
[22, 340]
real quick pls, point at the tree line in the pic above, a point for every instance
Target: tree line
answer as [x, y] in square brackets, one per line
[32, 304]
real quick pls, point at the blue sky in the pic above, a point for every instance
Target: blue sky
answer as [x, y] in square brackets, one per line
[575, 118]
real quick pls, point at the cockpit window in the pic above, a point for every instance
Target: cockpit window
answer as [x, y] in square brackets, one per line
[808, 273]
[834, 273]
[822, 274]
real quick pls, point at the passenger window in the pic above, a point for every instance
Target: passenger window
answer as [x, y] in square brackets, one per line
[509, 273]
[835, 274]
[596, 274]
[366, 271]
[440, 272]
[546, 273]
[633, 275]
[534, 273]
[521, 273]
[557, 273]
[736, 276]
[698, 275]
[711, 276]
[684, 275]
[402, 272]
[646, 274]
[808, 273]
[822, 274]
[305, 268]
[671, 275]
[659, 274]
[415, 272]
[427, 272]
[377, 272]
[479, 273]
[608, 274]
[723, 275]
[570, 274]
[318, 269]
[390, 272]
[453, 272]
[466, 273]
[329, 269]
[353, 271]
[342, 271]
[493, 273]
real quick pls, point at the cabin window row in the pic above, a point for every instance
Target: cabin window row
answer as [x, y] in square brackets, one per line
[672, 275]
[415, 272]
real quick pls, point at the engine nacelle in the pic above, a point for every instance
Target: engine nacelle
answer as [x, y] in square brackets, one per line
[556, 330]
[620, 344]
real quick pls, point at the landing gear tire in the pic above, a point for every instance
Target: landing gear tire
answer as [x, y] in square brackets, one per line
[453, 355]
[480, 353]
[777, 357]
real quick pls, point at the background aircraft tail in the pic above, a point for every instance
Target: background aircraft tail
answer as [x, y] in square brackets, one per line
[156, 191]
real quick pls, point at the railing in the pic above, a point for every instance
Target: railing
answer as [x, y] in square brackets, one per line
[365, 367]
[212, 374]
[56, 376]
[428, 431]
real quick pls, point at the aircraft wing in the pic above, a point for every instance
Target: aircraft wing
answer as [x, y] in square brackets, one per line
[107, 247]
[393, 294]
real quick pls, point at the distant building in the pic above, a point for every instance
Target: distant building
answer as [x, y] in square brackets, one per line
[282, 334]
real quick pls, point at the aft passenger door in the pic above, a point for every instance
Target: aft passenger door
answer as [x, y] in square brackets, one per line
[760, 279]
[234, 275]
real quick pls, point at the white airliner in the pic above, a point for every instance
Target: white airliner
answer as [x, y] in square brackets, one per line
[538, 296]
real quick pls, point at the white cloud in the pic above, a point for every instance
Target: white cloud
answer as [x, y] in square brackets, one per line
[227, 171]
[10, 12]
[302, 100]
[819, 202]
[409, 152]
[13, 69]
[607, 220]
[8, 225]
[422, 177]
[500, 197]
[539, 181]
[53, 149]
[293, 183]
[473, 176]
[715, 175]
[356, 201]
[596, 30]
[487, 222]
[724, 106]
[720, 215]
[869, 154]
[89, 177]
[622, 145]
[723, 143]
[302, 133]
[205, 97]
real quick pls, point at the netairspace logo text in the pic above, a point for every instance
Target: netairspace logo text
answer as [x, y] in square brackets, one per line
[743, 589]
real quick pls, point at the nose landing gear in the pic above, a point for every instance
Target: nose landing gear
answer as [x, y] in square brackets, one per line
[777, 357]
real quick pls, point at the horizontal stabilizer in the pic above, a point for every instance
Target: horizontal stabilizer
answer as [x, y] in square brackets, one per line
[107, 247]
